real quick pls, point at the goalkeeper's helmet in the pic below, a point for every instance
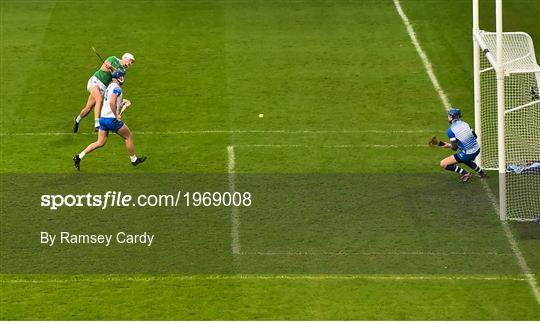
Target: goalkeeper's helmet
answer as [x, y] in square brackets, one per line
[454, 113]
[119, 75]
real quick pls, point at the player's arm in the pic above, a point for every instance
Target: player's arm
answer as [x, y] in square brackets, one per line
[453, 140]
[453, 144]
[115, 109]
[445, 144]
[434, 142]
[107, 65]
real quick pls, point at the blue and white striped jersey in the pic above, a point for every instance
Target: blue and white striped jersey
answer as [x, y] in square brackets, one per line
[106, 109]
[463, 134]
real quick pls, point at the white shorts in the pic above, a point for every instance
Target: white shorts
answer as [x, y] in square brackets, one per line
[93, 81]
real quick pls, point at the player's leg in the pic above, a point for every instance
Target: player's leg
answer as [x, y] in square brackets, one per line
[450, 164]
[125, 133]
[469, 161]
[474, 166]
[96, 93]
[87, 108]
[84, 112]
[95, 88]
[100, 142]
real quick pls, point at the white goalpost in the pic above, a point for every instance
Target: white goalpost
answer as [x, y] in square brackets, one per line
[507, 115]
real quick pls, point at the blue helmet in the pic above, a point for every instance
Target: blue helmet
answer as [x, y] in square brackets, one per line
[118, 74]
[454, 112]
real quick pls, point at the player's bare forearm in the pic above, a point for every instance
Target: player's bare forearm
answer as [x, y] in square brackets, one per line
[453, 144]
[114, 107]
[107, 67]
[115, 110]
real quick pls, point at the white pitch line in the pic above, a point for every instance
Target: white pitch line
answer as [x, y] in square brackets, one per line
[423, 56]
[396, 253]
[258, 277]
[184, 132]
[514, 245]
[235, 217]
[444, 98]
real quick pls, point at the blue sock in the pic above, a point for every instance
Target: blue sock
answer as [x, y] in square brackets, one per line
[474, 166]
[456, 168]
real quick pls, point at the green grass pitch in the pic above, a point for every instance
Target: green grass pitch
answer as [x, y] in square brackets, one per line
[353, 219]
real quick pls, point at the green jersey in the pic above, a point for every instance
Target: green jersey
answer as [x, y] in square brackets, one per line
[105, 77]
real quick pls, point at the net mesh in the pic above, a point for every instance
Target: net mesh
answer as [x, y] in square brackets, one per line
[488, 114]
[522, 121]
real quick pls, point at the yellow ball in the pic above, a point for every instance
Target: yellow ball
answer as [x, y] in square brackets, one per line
[261, 115]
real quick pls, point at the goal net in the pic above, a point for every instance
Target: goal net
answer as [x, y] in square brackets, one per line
[522, 119]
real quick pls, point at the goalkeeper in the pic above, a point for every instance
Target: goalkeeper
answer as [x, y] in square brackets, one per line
[461, 137]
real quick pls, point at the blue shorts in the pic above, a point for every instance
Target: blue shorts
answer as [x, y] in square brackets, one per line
[462, 157]
[110, 124]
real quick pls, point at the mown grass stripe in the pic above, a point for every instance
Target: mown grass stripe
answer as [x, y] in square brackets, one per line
[397, 253]
[184, 132]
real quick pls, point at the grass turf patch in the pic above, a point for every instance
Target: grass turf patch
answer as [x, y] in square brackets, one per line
[307, 65]
[268, 298]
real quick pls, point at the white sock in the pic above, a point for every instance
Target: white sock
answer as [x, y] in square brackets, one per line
[78, 119]
[82, 154]
[133, 158]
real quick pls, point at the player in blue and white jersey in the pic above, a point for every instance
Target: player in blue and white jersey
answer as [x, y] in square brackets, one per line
[110, 121]
[461, 137]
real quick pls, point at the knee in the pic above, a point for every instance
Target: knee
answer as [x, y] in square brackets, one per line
[97, 98]
[442, 164]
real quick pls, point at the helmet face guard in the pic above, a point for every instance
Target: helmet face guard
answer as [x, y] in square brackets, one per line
[118, 75]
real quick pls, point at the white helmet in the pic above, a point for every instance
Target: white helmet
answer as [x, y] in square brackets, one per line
[129, 56]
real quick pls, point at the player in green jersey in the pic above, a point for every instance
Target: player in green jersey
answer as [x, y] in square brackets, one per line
[98, 83]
